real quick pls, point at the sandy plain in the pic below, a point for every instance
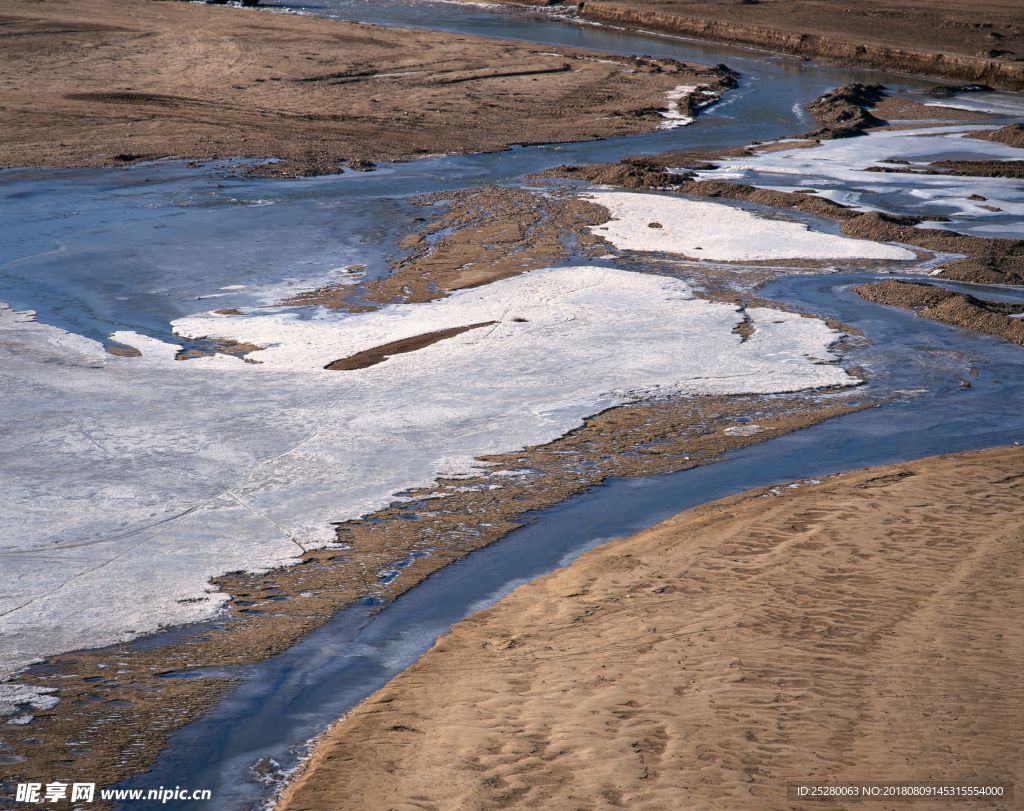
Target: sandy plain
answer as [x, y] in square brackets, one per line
[127, 80]
[867, 627]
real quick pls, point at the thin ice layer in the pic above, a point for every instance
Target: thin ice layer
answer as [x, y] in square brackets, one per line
[849, 171]
[129, 482]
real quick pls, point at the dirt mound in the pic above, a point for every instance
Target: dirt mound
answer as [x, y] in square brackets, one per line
[949, 307]
[632, 173]
[845, 111]
[1011, 134]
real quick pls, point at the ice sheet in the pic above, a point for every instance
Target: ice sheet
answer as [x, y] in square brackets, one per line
[704, 230]
[128, 482]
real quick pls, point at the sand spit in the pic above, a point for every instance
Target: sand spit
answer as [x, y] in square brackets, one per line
[127, 80]
[480, 235]
[379, 354]
[949, 307]
[865, 627]
[120, 709]
[966, 40]
[1011, 134]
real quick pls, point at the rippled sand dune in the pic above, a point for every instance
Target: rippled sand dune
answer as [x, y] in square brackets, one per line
[868, 627]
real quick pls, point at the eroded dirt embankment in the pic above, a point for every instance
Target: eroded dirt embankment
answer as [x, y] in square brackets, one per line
[966, 40]
[110, 82]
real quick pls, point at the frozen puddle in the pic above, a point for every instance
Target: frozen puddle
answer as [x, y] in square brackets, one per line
[849, 171]
[702, 230]
[129, 482]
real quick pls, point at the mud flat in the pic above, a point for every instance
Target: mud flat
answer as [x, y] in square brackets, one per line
[864, 627]
[481, 235]
[125, 80]
[966, 40]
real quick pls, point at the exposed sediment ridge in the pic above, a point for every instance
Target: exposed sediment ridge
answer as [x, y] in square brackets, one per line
[957, 309]
[1001, 74]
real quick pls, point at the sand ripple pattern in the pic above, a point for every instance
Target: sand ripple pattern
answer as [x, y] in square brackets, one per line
[867, 627]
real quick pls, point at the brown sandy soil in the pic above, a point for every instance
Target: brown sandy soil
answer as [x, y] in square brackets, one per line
[981, 168]
[939, 304]
[1011, 134]
[869, 627]
[379, 354]
[966, 40]
[903, 108]
[483, 234]
[111, 81]
[118, 709]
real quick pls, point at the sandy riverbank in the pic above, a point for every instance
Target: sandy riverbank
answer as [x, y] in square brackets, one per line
[866, 627]
[964, 40]
[123, 80]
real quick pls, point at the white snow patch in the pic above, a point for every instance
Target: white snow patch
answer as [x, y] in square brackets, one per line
[14, 698]
[703, 230]
[128, 482]
[674, 118]
[743, 430]
[149, 347]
